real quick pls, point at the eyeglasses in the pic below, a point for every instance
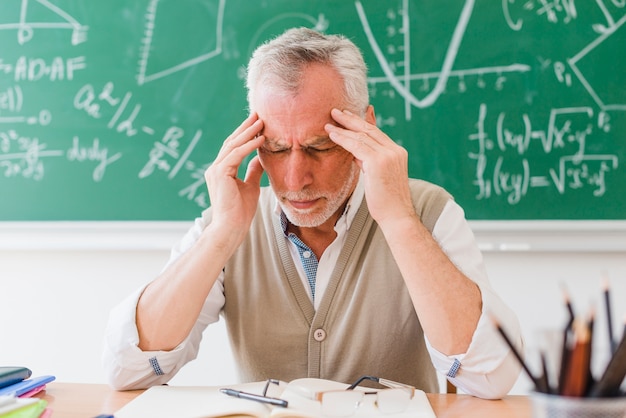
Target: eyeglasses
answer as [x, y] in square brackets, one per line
[343, 403]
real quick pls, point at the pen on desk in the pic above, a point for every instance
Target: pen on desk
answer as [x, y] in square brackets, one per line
[254, 397]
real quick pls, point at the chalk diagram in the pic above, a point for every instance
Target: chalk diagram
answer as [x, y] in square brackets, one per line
[147, 44]
[401, 83]
[144, 76]
[269, 27]
[41, 14]
[590, 54]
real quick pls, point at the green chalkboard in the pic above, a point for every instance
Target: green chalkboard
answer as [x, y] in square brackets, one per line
[112, 110]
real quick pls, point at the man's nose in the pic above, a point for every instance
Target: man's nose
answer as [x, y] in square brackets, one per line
[298, 173]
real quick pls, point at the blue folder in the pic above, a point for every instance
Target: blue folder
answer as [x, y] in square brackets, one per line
[27, 385]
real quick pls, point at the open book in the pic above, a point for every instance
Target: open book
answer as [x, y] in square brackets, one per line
[209, 402]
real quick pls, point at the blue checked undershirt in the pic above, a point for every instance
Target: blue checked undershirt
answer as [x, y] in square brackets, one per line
[307, 257]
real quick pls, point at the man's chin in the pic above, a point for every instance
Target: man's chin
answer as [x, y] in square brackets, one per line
[305, 219]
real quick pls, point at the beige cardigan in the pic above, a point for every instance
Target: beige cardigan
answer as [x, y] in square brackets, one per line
[365, 324]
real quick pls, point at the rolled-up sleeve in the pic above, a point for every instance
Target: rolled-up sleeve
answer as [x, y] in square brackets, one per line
[125, 364]
[488, 369]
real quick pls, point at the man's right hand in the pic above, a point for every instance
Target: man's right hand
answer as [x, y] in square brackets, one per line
[169, 306]
[234, 201]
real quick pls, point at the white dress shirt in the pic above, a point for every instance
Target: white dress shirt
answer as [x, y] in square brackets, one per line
[488, 369]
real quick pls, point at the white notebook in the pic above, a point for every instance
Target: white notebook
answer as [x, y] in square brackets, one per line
[208, 402]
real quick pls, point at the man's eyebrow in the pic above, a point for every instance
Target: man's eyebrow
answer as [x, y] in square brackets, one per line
[317, 141]
[314, 142]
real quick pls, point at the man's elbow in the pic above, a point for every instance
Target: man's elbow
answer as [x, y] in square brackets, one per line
[117, 381]
[495, 385]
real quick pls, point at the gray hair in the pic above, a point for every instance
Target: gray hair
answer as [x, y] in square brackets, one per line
[283, 59]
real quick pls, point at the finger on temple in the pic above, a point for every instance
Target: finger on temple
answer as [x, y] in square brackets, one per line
[354, 123]
[240, 151]
[244, 133]
[251, 119]
[349, 120]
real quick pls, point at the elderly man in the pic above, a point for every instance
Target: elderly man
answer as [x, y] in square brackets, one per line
[343, 266]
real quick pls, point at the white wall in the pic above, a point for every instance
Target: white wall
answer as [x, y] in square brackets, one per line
[532, 283]
[57, 287]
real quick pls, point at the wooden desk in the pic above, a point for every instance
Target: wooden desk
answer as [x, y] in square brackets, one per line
[77, 400]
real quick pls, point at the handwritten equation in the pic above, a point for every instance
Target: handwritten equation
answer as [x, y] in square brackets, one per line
[503, 165]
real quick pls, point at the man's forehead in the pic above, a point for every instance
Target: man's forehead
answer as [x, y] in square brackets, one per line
[306, 128]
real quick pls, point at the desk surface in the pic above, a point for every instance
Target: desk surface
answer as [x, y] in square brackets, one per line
[78, 400]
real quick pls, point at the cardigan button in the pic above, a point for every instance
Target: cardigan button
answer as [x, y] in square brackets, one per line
[319, 335]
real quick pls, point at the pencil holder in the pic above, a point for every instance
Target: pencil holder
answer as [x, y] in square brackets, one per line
[555, 406]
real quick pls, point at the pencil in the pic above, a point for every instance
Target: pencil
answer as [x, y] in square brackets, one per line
[609, 319]
[545, 378]
[590, 325]
[537, 382]
[565, 358]
[568, 304]
[577, 368]
[611, 380]
[565, 350]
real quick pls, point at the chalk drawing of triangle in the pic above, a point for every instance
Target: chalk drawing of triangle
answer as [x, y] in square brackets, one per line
[29, 16]
[159, 57]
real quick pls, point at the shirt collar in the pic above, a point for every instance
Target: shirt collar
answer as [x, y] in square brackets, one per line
[354, 202]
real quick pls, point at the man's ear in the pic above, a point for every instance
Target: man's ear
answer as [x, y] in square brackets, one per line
[370, 116]
[258, 155]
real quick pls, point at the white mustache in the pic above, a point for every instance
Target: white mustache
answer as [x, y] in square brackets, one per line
[300, 196]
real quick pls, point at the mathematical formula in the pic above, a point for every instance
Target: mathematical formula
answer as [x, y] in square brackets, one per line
[565, 139]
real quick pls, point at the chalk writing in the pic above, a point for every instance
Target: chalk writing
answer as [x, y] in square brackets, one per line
[35, 69]
[168, 149]
[11, 99]
[196, 191]
[92, 153]
[566, 134]
[87, 100]
[26, 160]
[498, 102]
[43, 118]
[554, 12]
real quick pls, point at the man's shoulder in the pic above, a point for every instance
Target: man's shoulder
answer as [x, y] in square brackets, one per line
[267, 197]
[429, 200]
[422, 187]
[267, 203]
